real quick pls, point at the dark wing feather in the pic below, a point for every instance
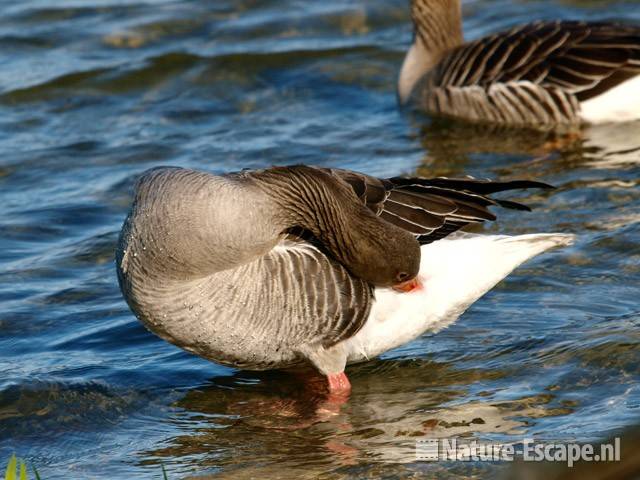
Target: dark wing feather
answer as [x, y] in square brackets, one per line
[432, 208]
[584, 59]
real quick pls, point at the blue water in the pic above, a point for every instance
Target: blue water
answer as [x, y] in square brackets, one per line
[93, 92]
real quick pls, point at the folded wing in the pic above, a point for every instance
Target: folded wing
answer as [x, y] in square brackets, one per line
[535, 73]
[432, 208]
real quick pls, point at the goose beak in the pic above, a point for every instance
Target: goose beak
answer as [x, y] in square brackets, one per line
[408, 286]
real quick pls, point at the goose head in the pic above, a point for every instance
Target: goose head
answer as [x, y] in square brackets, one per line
[381, 253]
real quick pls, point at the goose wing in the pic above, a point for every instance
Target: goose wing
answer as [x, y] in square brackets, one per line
[432, 208]
[534, 73]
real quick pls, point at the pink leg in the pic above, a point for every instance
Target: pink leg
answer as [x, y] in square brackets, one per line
[335, 385]
[339, 384]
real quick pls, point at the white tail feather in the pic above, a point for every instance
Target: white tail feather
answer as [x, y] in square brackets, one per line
[619, 104]
[454, 273]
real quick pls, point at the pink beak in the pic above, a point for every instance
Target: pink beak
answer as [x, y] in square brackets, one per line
[408, 286]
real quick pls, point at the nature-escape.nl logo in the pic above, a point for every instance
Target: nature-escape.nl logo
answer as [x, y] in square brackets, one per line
[454, 449]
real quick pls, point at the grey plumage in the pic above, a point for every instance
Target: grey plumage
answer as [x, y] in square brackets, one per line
[535, 74]
[275, 268]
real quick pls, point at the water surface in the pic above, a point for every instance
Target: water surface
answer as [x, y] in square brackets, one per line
[93, 92]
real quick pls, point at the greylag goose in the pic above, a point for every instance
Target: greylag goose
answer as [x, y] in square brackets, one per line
[290, 266]
[542, 74]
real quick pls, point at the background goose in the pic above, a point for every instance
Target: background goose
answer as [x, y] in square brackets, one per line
[539, 74]
[290, 266]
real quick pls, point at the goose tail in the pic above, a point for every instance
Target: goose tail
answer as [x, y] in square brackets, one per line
[459, 270]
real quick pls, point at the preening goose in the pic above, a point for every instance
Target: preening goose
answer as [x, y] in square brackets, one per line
[293, 266]
[543, 74]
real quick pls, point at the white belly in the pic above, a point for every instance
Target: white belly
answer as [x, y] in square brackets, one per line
[619, 104]
[454, 273]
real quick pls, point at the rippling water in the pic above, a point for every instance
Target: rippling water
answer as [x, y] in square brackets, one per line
[92, 92]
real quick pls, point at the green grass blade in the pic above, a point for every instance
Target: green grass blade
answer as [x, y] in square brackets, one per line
[164, 473]
[11, 469]
[35, 472]
[23, 471]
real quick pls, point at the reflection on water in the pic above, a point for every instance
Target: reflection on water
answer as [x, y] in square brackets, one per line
[267, 417]
[458, 144]
[94, 92]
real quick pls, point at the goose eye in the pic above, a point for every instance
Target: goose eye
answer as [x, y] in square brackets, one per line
[402, 277]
